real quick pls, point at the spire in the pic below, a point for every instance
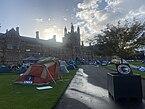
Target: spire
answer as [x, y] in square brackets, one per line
[82, 43]
[72, 28]
[78, 30]
[65, 30]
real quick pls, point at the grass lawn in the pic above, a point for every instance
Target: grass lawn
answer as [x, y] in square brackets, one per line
[113, 67]
[137, 63]
[15, 96]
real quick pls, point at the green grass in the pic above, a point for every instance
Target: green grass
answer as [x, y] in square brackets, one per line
[113, 68]
[15, 96]
[137, 63]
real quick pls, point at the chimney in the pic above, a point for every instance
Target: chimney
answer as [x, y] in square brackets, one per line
[54, 37]
[17, 30]
[6, 30]
[37, 34]
[90, 44]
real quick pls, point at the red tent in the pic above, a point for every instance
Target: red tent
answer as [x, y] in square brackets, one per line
[43, 72]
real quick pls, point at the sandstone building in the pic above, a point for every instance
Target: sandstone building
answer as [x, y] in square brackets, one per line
[14, 47]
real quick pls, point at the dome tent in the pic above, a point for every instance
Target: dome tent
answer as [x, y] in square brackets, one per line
[30, 59]
[43, 72]
[4, 69]
[63, 67]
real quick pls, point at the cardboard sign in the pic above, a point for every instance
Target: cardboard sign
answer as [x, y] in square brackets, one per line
[43, 87]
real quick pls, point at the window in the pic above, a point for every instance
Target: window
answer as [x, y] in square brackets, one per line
[9, 46]
[28, 50]
[12, 46]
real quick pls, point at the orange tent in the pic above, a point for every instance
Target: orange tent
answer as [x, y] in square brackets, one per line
[43, 72]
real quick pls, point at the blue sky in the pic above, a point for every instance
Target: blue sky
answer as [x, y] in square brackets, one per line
[38, 15]
[49, 17]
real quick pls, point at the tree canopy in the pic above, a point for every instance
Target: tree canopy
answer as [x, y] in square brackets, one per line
[121, 39]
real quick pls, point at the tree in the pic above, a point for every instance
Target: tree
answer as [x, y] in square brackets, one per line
[121, 40]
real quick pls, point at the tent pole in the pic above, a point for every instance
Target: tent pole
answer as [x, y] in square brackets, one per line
[50, 75]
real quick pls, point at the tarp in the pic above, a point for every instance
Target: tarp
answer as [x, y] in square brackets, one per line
[43, 72]
[141, 69]
[72, 65]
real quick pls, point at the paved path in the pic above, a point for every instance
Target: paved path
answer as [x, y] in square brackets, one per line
[88, 90]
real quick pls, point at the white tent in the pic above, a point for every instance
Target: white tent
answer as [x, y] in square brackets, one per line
[63, 67]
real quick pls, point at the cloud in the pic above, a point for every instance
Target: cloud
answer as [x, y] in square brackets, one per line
[49, 19]
[54, 26]
[39, 20]
[64, 18]
[48, 30]
[48, 33]
[94, 15]
[54, 30]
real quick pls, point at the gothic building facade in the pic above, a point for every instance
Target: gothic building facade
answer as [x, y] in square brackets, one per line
[14, 47]
[71, 39]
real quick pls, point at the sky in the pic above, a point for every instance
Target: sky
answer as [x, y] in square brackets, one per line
[49, 17]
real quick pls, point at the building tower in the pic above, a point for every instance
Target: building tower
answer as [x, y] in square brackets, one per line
[72, 28]
[65, 31]
[78, 30]
[71, 39]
